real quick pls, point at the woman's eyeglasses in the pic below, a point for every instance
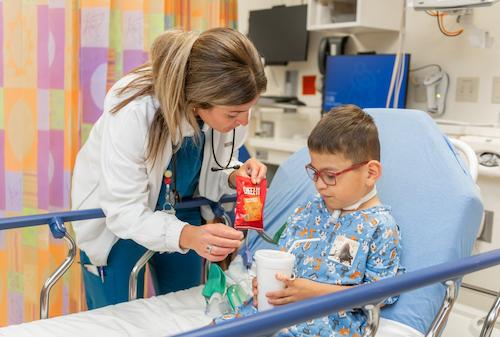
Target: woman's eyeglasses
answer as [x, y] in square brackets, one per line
[329, 177]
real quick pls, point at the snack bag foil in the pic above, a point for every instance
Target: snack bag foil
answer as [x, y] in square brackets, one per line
[250, 198]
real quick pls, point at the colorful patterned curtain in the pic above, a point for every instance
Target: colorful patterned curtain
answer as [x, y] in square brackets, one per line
[57, 59]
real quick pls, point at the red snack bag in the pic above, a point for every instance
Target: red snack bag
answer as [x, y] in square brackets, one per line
[250, 198]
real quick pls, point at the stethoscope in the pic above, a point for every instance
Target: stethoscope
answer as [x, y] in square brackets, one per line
[172, 196]
[226, 167]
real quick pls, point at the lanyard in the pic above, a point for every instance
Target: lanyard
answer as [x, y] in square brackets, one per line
[171, 195]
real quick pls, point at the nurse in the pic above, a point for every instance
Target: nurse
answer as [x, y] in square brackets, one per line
[171, 129]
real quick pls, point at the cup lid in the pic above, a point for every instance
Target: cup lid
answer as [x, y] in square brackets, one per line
[272, 258]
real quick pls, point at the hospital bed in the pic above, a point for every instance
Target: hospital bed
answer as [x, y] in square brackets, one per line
[434, 200]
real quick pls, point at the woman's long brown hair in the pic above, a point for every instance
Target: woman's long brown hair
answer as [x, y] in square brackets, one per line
[186, 71]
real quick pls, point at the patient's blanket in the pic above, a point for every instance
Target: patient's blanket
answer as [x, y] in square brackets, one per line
[158, 316]
[153, 317]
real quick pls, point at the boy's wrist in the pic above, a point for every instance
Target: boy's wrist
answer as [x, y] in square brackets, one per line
[325, 289]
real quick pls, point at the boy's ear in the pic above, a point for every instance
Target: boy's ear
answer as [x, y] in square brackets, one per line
[374, 171]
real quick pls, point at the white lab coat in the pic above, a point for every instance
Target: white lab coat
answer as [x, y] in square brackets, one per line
[111, 172]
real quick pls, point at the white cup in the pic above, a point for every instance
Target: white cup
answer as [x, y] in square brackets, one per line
[269, 263]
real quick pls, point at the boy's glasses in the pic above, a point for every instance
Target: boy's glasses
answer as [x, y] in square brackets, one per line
[329, 177]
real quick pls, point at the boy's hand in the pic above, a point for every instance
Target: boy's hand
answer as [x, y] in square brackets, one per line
[299, 289]
[295, 290]
[255, 291]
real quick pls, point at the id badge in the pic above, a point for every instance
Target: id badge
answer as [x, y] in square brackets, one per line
[344, 250]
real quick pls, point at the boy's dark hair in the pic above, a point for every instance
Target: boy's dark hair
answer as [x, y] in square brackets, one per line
[346, 130]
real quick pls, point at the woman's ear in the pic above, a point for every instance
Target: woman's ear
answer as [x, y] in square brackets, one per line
[374, 171]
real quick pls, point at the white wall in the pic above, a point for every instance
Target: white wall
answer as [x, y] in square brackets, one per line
[425, 44]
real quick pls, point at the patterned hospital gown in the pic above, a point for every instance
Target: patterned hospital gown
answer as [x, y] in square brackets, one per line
[359, 247]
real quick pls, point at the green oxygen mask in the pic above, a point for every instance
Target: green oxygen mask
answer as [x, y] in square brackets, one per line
[236, 296]
[214, 292]
[220, 300]
[216, 281]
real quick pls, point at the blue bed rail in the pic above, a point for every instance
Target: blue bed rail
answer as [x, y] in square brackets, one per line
[56, 224]
[268, 322]
[55, 219]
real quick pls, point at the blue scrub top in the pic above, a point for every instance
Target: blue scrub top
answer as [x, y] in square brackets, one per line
[189, 158]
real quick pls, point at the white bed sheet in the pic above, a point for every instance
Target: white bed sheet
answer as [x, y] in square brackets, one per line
[158, 316]
[154, 317]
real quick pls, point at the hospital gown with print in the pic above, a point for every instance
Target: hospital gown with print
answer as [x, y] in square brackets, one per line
[358, 247]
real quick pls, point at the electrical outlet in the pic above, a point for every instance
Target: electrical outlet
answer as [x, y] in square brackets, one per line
[495, 93]
[467, 89]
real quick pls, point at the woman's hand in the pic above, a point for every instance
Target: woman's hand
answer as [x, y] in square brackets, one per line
[213, 241]
[299, 289]
[252, 168]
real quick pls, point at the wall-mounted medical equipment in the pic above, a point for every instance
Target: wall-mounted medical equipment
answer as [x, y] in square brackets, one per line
[280, 33]
[462, 12]
[448, 4]
[363, 80]
[436, 85]
[330, 46]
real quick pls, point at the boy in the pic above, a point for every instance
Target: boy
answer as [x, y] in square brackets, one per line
[360, 239]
